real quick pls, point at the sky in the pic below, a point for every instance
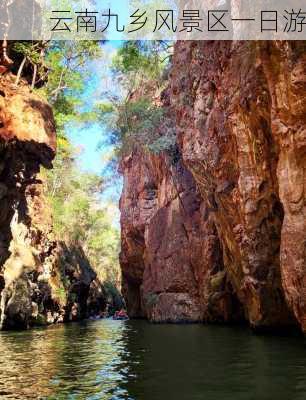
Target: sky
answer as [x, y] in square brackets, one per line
[90, 140]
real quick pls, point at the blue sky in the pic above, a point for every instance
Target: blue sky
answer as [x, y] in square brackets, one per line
[90, 139]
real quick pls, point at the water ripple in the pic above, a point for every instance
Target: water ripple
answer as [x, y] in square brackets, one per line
[114, 360]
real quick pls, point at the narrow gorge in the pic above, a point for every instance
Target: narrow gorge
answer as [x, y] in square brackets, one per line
[213, 232]
[152, 218]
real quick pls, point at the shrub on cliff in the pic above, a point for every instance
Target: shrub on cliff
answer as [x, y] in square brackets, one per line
[139, 118]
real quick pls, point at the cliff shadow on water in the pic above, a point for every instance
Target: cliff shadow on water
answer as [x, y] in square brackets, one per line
[137, 360]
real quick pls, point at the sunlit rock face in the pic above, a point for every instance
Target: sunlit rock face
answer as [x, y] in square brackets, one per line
[42, 281]
[284, 65]
[221, 235]
[240, 111]
[171, 259]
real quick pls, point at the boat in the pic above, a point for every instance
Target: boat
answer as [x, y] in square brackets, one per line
[120, 315]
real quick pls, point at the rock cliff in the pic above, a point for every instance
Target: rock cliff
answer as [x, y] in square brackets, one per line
[41, 280]
[171, 259]
[220, 235]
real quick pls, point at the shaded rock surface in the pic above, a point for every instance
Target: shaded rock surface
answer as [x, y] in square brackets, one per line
[230, 242]
[42, 280]
[170, 258]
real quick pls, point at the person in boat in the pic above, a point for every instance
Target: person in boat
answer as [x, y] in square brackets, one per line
[122, 314]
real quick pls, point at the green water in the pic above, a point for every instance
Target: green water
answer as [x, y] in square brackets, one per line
[135, 360]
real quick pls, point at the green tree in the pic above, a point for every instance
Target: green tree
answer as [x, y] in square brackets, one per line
[75, 196]
[138, 118]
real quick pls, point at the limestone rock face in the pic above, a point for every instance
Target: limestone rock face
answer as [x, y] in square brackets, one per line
[171, 260]
[27, 119]
[284, 66]
[42, 281]
[221, 235]
[240, 110]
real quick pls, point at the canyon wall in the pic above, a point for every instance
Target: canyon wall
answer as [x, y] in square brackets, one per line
[171, 259]
[42, 280]
[220, 235]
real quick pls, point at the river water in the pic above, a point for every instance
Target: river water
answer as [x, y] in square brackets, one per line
[136, 360]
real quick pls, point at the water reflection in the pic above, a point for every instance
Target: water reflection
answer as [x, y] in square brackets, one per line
[113, 360]
[215, 363]
[74, 361]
